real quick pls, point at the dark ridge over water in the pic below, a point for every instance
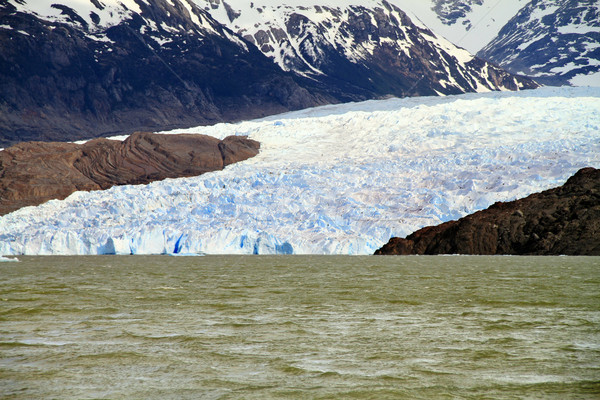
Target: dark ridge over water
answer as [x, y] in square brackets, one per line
[300, 327]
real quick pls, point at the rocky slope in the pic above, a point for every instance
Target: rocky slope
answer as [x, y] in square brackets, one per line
[86, 69]
[555, 42]
[564, 220]
[361, 49]
[34, 172]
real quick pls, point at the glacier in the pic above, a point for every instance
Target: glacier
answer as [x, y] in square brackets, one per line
[337, 179]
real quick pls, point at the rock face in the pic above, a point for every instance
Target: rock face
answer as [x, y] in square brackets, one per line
[564, 220]
[34, 172]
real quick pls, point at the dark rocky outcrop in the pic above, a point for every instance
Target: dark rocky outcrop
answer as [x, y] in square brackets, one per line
[564, 220]
[34, 172]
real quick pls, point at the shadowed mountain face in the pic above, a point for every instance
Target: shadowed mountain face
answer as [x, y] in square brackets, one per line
[34, 172]
[564, 220]
[163, 66]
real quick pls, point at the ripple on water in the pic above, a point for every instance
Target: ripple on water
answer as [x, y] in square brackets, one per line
[300, 327]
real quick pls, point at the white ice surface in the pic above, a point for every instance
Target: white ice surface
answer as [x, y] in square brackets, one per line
[339, 179]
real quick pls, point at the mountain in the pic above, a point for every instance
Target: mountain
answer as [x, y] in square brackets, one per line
[337, 179]
[470, 24]
[86, 69]
[563, 220]
[99, 68]
[554, 41]
[361, 49]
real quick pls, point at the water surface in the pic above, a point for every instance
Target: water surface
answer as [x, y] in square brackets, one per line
[300, 327]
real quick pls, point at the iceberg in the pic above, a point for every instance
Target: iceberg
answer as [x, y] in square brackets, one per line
[338, 179]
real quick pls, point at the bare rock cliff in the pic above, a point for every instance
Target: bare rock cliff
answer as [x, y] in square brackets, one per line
[563, 220]
[34, 172]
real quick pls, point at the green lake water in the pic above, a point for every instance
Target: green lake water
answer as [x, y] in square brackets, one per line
[300, 327]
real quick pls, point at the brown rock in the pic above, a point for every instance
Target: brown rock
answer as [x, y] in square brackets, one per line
[236, 148]
[34, 172]
[563, 220]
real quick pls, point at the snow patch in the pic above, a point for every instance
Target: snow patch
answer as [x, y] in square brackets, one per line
[579, 29]
[473, 32]
[592, 79]
[113, 13]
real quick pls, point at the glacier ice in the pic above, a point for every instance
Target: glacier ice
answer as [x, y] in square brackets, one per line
[338, 179]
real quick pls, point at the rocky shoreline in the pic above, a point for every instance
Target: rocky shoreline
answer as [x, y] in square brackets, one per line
[32, 173]
[564, 220]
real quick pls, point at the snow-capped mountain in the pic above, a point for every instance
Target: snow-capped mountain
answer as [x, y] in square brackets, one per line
[87, 68]
[339, 179]
[90, 68]
[470, 24]
[367, 47]
[554, 41]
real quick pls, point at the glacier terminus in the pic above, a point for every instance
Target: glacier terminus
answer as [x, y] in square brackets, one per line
[337, 179]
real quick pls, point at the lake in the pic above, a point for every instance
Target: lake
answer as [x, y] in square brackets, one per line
[300, 327]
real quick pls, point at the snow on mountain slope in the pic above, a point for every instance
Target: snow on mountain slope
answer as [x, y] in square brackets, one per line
[554, 41]
[94, 14]
[334, 180]
[470, 24]
[370, 45]
[97, 15]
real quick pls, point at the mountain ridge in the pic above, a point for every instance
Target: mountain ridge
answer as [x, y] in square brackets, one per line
[372, 45]
[470, 24]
